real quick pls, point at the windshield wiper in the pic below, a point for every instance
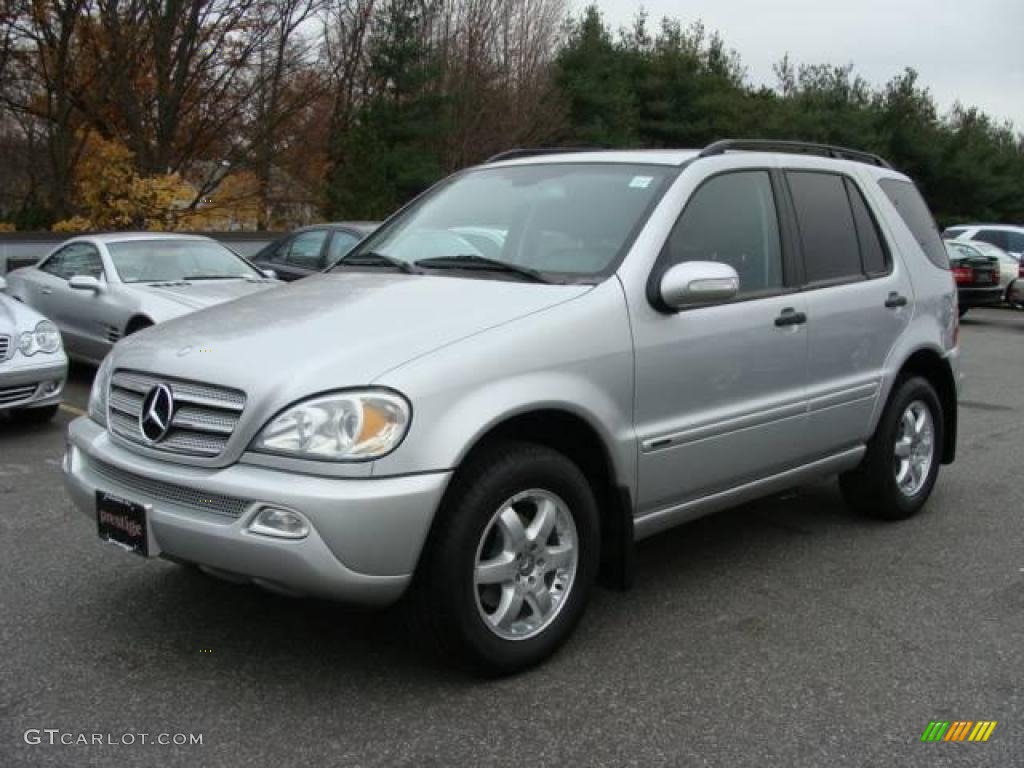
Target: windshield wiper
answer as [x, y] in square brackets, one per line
[374, 259]
[472, 261]
[214, 277]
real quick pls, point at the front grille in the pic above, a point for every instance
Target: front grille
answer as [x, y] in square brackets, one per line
[5, 347]
[12, 395]
[205, 416]
[189, 498]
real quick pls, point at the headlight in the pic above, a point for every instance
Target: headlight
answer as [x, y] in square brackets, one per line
[98, 394]
[44, 338]
[345, 426]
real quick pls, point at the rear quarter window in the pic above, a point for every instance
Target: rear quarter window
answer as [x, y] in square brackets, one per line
[915, 214]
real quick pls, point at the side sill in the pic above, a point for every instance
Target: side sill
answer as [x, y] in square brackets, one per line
[669, 517]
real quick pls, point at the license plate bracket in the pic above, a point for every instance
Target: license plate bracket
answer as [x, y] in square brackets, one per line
[123, 522]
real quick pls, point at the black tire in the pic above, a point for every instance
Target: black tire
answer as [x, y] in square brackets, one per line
[444, 598]
[871, 489]
[34, 415]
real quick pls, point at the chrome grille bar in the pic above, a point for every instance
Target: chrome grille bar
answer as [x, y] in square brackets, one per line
[204, 418]
[11, 395]
[199, 501]
[5, 347]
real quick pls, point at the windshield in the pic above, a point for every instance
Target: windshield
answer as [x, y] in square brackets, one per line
[159, 261]
[572, 219]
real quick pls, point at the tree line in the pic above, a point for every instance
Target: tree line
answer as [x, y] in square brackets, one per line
[271, 113]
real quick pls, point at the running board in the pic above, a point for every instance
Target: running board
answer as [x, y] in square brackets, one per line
[669, 517]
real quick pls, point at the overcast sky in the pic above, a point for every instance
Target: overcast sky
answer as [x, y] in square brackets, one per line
[966, 50]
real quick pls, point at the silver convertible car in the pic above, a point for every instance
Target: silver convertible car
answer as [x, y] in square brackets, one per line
[32, 364]
[100, 288]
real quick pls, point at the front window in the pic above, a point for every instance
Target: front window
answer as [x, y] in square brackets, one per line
[575, 220]
[160, 261]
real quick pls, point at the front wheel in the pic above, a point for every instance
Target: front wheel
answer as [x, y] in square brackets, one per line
[511, 561]
[902, 462]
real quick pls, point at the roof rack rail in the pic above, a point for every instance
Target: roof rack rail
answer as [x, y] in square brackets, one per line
[519, 152]
[794, 147]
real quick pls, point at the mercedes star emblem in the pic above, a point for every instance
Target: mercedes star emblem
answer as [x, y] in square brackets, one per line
[157, 412]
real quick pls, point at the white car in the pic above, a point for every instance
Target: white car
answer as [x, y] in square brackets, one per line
[1009, 265]
[33, 367]
[100, 288]
[1009, 237]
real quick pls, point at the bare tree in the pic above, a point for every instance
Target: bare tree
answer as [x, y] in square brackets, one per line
[288, 84]
[41, 80]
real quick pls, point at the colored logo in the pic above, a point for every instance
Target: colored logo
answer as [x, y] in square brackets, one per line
[958, 730]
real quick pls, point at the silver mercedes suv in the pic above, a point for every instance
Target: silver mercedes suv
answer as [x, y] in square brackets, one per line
[533, 365]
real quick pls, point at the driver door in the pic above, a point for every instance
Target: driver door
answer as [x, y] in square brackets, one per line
[720, 390]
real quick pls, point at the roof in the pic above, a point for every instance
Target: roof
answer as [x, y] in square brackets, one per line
[125, 237]
[363, 227]
[682, 157]
[673, 157]
[1000, 227]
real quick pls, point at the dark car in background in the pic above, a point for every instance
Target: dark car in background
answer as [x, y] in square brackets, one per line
[976, 275]
[312, 249]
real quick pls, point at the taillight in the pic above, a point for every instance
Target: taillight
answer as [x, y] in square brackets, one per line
[963, 274]
[1020, 270]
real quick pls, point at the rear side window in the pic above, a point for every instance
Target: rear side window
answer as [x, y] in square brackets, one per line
[915, 214]
[952, 233]
[827, 229]
[996, 237]
[873, 253]
[1015, 242]
[305, 249]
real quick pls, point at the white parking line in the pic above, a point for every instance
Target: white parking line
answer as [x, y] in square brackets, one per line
[72, 409]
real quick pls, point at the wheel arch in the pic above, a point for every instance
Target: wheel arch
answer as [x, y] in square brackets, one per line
[573, 436]
[137, 322]
[932, 366]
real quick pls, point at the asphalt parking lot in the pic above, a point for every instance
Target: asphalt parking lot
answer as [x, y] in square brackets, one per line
[787, 632]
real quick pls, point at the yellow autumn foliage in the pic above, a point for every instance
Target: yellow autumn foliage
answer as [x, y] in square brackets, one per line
[111, 195]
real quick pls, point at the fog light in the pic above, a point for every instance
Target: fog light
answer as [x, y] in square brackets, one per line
[51, 387]
[282, 523]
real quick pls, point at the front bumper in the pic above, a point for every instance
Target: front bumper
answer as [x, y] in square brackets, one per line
[365, 534]
[32, 382]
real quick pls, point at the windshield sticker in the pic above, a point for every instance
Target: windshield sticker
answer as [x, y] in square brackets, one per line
[641, 182]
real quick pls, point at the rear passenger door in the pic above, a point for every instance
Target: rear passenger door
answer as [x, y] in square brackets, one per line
[859, 301]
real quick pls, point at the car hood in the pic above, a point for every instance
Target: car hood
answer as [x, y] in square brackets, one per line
[16, 317]
[330, 331]
[199, 294]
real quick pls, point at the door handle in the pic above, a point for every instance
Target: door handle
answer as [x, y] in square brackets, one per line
[895, 300]
[46, 291]
[790, 316]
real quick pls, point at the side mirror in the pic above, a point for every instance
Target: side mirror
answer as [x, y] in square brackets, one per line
[696, 283]
[84, 283]
[3, 283]
[270, 274]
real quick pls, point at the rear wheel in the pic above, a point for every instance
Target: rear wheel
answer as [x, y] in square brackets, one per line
[510, 565]
[902, 462]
